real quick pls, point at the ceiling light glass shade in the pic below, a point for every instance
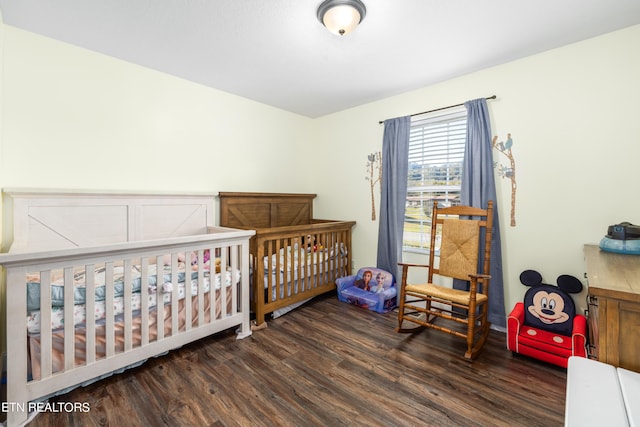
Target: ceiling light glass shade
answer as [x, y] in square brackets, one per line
[341, 16]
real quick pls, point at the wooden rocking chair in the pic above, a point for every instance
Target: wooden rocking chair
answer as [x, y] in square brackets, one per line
[463, 248]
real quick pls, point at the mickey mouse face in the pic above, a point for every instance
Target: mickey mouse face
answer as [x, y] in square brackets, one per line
[548, 307]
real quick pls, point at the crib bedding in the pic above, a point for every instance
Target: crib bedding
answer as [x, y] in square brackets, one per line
[294, 257]
[56, 278]
[211, 310]
[295, 262]
[100, 305]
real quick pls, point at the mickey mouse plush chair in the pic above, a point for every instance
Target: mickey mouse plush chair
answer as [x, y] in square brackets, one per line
[545, 326]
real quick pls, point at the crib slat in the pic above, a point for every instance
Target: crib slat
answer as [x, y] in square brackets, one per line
[159, 298]
[286, 265]
[302, 254]
[109, 329]
[322, 270]
[128, 316]
[90, 305]
[201, 295]
[314, 258]
[215, 293]
[316, 264]
[221, 293]
[187, 291]
[335, 259]
[69, 333]
[270, 272]
[45, 324]
[144, 301]
[174, 293]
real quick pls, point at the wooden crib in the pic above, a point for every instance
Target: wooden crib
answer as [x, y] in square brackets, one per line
[294, 257]
[151, 268]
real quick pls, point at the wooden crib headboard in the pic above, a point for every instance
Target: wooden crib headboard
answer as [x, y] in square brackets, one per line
[47, 220]
[265, 210]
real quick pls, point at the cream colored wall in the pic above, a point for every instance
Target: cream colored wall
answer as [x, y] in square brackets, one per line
[75, 119]
[574, 118]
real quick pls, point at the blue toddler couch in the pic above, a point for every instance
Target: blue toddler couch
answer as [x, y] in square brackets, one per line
[371, 288]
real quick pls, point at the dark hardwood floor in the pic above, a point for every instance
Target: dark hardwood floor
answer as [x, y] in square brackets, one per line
[325, 364]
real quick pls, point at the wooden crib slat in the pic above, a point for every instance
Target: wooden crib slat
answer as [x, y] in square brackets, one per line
[279, 267]
[280, 281]
[69, 330]
[316, 262]
[90, 305]
[338, 261]
[45, 324]
[324, 262]
[294, 265]
[270, 269]
[336, 250]
[298, 286]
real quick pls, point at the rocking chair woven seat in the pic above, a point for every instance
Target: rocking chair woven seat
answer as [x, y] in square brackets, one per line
[465, 253]
[455, 295]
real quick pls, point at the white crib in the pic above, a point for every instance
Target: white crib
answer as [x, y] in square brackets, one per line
[138, 263]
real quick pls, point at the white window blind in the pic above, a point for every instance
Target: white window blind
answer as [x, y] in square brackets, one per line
[436, 153]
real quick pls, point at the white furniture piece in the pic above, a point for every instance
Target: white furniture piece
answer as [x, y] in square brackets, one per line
[599, 394]
[144, 253]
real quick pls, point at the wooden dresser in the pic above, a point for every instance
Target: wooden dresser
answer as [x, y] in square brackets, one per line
[614, 307]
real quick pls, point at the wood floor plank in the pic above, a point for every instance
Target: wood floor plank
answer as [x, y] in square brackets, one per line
[326, 364]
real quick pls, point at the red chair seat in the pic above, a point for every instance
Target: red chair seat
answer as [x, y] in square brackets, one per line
[545, 341]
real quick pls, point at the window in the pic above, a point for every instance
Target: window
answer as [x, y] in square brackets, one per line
[436, 153]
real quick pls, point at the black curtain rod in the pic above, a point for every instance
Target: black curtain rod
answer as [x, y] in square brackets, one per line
[439, 109]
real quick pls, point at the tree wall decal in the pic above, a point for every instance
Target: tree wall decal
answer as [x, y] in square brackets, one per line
[507, 172]
[374, 176]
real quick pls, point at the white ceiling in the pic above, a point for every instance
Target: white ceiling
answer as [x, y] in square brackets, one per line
[277, 53]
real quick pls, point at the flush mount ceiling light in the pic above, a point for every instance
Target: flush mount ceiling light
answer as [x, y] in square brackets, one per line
[341, 16]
